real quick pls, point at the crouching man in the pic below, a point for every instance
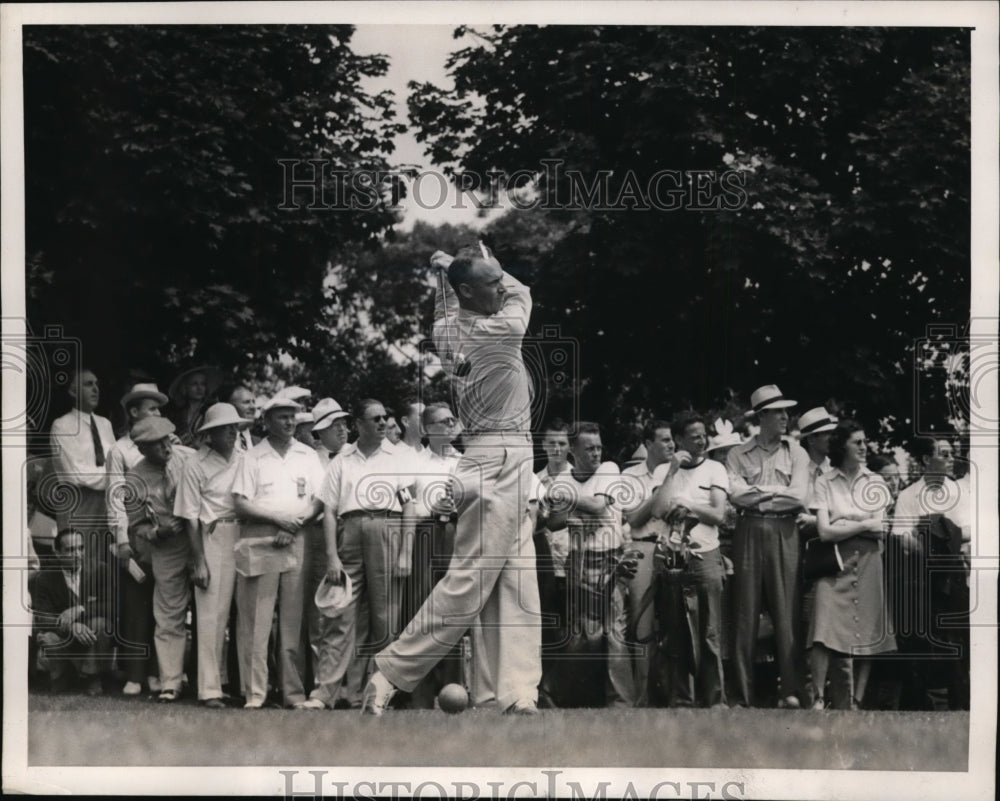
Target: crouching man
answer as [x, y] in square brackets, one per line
[70, 609]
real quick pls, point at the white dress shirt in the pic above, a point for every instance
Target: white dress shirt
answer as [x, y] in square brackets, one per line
[73, 444]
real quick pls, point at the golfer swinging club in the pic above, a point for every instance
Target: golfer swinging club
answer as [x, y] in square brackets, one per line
[480, 321]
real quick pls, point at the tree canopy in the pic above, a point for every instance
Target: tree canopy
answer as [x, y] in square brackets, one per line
[154, 221]
[853, 146]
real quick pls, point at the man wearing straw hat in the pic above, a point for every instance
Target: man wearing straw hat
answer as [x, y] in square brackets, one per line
[769, 479]
[275, 495]
[205, 501]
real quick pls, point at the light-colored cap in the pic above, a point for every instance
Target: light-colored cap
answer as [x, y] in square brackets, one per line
[303, 417]
[222, 414]
[326, 412]
[768, 397]
[142, 391]
[151, 429]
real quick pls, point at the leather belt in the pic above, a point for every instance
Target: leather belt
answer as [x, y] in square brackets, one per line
[768, 515]
[369, 513]
[218, 520]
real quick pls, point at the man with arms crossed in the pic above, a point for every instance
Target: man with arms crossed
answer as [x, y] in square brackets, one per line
[480, 325]
[769, 476]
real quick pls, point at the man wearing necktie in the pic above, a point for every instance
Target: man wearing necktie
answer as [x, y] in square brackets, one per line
[80, 442]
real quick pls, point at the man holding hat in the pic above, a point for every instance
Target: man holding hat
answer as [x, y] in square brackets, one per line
[368, 514]
[275, 496]
[156, 531]
[205, 501]
[769, 478]
[330, 428]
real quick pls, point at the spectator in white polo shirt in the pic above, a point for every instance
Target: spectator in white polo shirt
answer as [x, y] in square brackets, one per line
[694, 490]
[275, 495]
[596, 597]
[366, 499]
[205, 501]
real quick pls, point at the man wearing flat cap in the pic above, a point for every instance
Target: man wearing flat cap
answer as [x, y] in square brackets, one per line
[135, 610]
[275, 496]
[205, 501]
[769, 479]
[156, 531]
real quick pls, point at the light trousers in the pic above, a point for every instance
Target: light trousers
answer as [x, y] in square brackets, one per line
[256, 597]
[367, 547]
[492, 574]
[171, 597]
[212, 607]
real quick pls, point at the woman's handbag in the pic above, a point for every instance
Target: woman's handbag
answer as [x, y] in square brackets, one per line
[821, 559]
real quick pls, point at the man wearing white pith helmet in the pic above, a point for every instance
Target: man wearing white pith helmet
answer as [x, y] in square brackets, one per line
[205, 501]
[769, 479]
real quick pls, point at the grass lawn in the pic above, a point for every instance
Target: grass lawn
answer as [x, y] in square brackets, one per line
[75, 730]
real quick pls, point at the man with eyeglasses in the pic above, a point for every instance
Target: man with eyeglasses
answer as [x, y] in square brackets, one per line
[481, 320]
[434, 534]
[369, 537]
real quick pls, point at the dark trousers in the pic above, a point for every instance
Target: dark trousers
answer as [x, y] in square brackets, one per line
[690, 613]
[433, 544]
[766, 557]
[136, 654]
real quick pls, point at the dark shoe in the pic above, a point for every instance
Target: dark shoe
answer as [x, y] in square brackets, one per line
[343, 703]
[94, 687]
[213, 703]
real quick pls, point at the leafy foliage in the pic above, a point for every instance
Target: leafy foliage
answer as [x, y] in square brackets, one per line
[854, 237]
[153, 191]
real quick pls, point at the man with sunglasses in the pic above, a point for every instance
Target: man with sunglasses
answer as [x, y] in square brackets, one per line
[369, 537]
[481, 321]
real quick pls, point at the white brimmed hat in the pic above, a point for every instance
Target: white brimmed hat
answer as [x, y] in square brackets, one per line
[326, 412]
[278, 402]
[724, 437]
[768, 397]
[332, 599]
[303, 417]
[816, 421]
[222, 414]
[141, 391]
